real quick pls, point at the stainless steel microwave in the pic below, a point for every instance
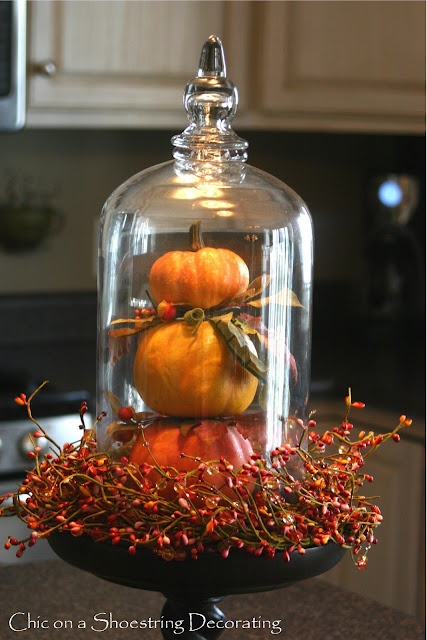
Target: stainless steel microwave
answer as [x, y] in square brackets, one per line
[13, 44]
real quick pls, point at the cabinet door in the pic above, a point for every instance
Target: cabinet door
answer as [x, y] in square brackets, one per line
[343, 65]
[119, 62]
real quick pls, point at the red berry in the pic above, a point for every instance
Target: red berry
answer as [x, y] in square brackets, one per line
[125, 413]
[166, 311]
[358, 405]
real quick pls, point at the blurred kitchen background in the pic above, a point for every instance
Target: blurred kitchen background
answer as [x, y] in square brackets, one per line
[332, 102]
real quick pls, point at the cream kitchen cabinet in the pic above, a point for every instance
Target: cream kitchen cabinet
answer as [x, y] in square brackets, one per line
[108, 63]
[395, 573]
[312, 65]
[344, 66]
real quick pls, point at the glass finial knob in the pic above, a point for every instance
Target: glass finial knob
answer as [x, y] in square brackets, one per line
[212, 59]
[211, 102]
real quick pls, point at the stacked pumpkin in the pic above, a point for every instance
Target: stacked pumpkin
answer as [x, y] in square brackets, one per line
[183, 368]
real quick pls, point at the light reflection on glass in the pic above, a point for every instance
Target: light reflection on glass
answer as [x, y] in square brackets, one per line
[217, 204]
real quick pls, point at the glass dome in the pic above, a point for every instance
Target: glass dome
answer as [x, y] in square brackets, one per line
[204, 288]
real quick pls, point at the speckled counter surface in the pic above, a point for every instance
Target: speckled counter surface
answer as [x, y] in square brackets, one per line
[53, 600]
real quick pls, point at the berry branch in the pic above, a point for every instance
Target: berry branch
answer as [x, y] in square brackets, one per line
[81, 491]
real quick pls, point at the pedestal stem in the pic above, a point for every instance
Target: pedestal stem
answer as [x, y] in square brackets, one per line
[199, 619]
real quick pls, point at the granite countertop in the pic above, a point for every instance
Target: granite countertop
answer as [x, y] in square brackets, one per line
[53, 594]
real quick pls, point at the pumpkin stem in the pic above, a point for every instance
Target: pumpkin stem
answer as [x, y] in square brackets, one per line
[196, 238]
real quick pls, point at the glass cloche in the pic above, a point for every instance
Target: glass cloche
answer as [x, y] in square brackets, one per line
[205, 284]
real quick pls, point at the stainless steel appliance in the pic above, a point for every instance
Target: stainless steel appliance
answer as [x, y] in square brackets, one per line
[393, 251]
[13, 38]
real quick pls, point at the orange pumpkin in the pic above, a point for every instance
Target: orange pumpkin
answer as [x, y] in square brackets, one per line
[182, 372]
[203, 278]
[162, 444]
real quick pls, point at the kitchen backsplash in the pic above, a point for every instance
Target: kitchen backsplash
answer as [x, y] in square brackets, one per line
[49, 337]
[77, 170]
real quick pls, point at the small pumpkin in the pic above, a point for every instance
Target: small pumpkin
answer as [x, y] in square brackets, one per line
[179, 371]
[163, 442]
[203, 277]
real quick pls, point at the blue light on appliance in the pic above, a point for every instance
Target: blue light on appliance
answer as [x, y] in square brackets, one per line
[390, 193]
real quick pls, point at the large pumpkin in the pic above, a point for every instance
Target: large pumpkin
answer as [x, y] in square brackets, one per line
[162, 444]
[203, 278]
[180, 371]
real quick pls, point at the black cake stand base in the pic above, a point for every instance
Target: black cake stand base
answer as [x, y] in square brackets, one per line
[193, 588]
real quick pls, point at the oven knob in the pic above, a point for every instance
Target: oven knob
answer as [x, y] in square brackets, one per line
[25, 445]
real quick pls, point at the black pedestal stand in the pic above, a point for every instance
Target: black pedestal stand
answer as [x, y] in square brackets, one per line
[193, 587]
[201, 619]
